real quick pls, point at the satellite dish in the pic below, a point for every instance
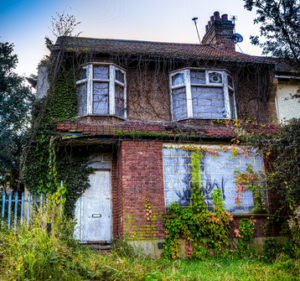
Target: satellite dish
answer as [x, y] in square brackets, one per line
[237, 38]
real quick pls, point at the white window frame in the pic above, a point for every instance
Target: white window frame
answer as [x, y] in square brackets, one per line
[89, 80]
[188, 87]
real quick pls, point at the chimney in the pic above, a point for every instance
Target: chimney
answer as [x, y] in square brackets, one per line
[219, 32]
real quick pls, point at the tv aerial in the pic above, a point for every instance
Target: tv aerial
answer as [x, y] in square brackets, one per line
[194, 19]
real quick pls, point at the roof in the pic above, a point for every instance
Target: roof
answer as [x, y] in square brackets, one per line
[159, 129]
[154, 49]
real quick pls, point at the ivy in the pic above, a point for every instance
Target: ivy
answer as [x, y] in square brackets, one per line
[201, 229]
[47, 164]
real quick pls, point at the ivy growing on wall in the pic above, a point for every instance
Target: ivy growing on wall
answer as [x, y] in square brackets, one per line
[200, 228]
[43, 152]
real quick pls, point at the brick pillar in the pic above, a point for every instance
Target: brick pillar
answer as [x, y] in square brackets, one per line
[141, 178]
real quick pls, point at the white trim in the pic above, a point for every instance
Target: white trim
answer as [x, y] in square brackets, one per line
[89, 88]
[188, 92]
[226, 97]
[111, 92]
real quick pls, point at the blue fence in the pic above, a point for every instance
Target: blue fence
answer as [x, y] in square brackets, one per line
[19, 207]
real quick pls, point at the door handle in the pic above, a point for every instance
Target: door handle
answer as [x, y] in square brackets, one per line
[96, 215]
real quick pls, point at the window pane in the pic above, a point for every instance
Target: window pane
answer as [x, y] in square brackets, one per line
[232, 108]
[83, 73]
[230, 82]
[100, 100]
[208, 103]
[177, 79]
[82, 99]
[119, 76]
[119, 100]
[215, 77]
[100, 72]
[179, 104]
[216, 172]
[198, 77]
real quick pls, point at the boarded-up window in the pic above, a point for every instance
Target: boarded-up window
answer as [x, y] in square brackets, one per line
[216, 172]
[208, 103]
[82, 99]
[179, 103]
[100, 101]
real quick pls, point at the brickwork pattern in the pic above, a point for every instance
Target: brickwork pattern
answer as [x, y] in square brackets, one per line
[141, 178]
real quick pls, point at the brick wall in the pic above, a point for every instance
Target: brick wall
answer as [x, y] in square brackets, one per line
[140, 177]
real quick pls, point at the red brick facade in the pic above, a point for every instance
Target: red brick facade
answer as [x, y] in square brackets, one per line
[140, 177]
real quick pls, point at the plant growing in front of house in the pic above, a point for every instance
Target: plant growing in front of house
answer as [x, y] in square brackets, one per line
[245, 235]
[200, 228]
[253, 181]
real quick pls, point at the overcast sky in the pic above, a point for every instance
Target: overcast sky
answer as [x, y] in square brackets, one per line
[26, 22]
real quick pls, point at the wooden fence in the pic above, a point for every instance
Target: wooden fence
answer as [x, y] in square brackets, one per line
[19, 207]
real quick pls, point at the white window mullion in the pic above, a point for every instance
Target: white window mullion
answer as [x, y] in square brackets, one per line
[111, 99]
[125, 95]
[226, 96]
[188, 89]
[90, 89]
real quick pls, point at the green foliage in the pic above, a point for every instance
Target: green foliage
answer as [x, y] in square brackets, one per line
[252, 181]
[271, 249]
[197, 199]
[200, 228]
[46, 163]
[15, 105]
[279, 27]
[283, 161]
[245, 235]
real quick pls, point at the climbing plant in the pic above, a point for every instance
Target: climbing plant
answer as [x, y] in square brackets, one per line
[47, 163]
[200, 228]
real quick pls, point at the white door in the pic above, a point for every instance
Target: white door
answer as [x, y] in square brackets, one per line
[93, 210]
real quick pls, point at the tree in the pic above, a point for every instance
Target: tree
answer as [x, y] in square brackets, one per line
[15, 105]
[280, 28]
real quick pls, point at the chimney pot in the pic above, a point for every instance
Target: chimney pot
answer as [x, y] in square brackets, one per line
[209, 24]
[206, 27]
[216, 15]
[224, 17]
[212, 18]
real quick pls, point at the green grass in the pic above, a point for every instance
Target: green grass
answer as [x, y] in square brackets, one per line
[31, 254]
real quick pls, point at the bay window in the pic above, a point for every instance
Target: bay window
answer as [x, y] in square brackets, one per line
[102, 90]
[202, 94]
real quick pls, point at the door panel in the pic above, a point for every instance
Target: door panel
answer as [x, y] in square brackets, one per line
[93, 210]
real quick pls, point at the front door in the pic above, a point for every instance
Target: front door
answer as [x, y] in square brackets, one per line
[93, 210]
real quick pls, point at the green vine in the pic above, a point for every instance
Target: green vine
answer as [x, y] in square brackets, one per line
[201, 229]
[47, 164]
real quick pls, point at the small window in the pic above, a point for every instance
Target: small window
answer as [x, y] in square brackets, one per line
[102, 90]
[215, 77]
[178, 79]
[202, 94]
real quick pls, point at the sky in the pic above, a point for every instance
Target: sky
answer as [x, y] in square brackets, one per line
[25, 23]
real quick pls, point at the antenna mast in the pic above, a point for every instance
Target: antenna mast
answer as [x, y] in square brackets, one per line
[195, 22]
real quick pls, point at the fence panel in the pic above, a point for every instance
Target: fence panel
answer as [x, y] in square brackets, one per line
[19, 207]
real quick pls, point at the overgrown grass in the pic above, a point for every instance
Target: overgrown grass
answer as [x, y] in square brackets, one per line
[30, 253]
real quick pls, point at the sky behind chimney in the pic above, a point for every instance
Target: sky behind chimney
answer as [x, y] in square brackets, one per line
[26, 22]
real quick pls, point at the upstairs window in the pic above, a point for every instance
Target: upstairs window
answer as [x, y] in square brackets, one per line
[202, 94]
[102, 90]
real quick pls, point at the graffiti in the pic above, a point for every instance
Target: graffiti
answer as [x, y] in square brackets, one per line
[216, 172]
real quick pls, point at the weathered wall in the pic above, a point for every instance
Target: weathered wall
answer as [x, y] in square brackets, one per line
[140, 180]
[255, 95]
[286, 106]
[148, 95]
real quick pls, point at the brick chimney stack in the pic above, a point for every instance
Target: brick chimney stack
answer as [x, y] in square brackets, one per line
[219, 32]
